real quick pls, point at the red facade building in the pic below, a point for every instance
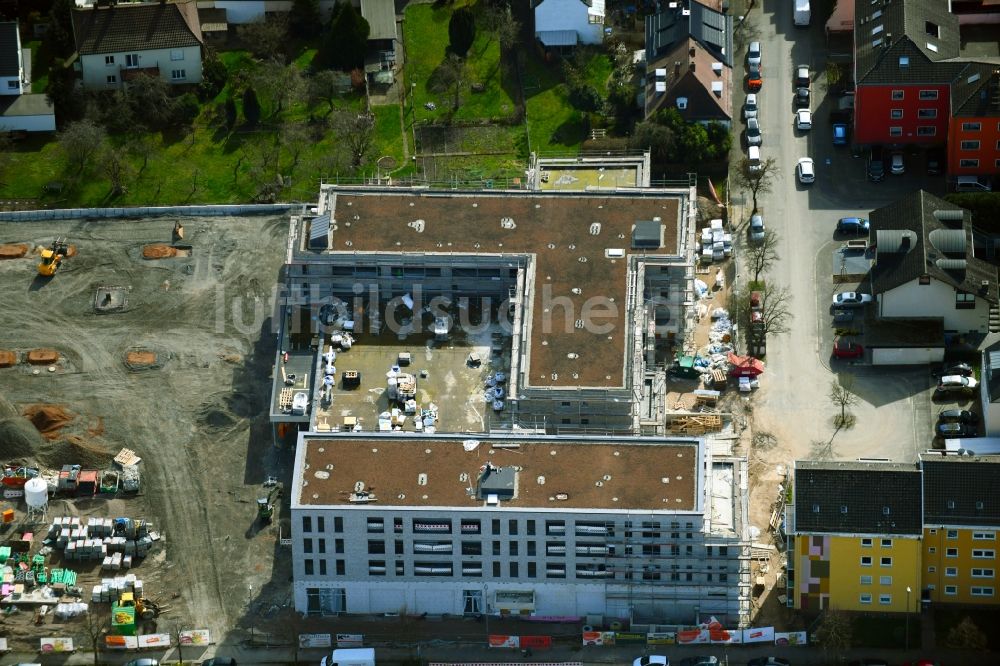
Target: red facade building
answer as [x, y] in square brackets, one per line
[913, 87]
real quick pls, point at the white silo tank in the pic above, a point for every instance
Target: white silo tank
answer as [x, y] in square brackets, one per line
[36, 493]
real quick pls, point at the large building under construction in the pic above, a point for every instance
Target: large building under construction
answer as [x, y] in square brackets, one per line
[638, 528]
[583, 290]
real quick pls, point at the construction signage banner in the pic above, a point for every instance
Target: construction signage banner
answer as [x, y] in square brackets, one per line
[599, 638]
[661, 638]
[57, 645]
[147, 641]
[196, 637]
[759, 635]
[791, 638]
[307, 641]
[112, 642]
[504, 641]
[350, 640]
[624, 637]
[537, 642]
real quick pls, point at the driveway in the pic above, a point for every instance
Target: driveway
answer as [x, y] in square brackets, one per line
[793, 404]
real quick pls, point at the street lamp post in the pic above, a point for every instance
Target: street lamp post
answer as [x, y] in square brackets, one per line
[249, 613]
[908, 590]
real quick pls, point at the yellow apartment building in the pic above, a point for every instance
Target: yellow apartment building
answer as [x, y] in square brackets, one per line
[855, 531]
[961, 521]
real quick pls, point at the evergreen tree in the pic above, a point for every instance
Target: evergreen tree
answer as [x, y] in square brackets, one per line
[462, 31]
[251, 106]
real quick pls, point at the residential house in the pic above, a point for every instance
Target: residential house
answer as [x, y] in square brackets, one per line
[12, 76]
[925, 266]
[854, 531]
[381, 17]
[566, 23]
[915, 86]
[689, 62]
[974, 131]
[20, 111]
[961, 521]
[158, 39]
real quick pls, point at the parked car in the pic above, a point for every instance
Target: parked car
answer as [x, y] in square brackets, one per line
[852, 225]
[957, 416]
[145, 661]
[769, 661]
[753, 54]
[876, 164]
[935, 162]
[652, 660]
[750, 107]
[753, 133]
[956, 430]
[802, 98]
[755, 78]
[847, 348]
[805, 170]
[973, 184]
[956, 384]
[840, 134]
[700, 661]
[219, 661]
[846, 299]
[804, 120]
[963, 369]
[896, 165]
[757, 228]
[753, 157]
[802, 76]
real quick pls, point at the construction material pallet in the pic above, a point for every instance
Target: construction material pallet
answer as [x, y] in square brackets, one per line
[285, 399]
[696, 425]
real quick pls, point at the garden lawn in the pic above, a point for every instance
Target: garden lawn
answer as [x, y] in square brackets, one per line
[197, 164]
[425, 31]
[554, 126]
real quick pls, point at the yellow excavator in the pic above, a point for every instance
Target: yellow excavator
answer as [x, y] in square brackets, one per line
[52, 257]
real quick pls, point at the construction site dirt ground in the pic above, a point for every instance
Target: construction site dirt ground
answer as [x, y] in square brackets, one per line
[197, 416]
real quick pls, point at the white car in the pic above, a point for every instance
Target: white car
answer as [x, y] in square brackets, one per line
[750, 108]
[753, 133]
[805, 170]
[804, 120]
[956, 383]
[753, 54]
[652, 660]
[847, 299]
[754, 159]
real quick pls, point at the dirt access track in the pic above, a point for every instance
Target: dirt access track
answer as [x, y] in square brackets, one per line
[197, 417]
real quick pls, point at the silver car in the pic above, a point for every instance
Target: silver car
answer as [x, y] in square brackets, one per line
[753, 132]
[750, 107]
[757, 228]
[753, 54]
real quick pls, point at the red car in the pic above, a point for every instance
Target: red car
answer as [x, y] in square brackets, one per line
[846, 348]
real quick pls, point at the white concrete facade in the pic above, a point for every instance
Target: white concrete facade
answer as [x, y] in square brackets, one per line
[934, 300]
[180, 65]
[645, 564]
[586, 21]
[907, 355]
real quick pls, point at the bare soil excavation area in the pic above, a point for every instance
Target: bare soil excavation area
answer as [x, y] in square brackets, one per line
[178, 371]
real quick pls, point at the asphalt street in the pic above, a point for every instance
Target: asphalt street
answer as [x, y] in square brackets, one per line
[894, 413]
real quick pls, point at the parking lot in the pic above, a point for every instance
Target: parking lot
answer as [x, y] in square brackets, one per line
[895, 414]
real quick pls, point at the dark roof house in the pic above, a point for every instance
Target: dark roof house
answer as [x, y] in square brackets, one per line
[671, 26]
[921, 236]
[692, 80]
[961, 490]
[857, 498]
[136, 27]
[10, 46]
[902, 42]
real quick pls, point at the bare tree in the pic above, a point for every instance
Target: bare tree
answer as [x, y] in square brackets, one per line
[759, 180]
[118, 171]
[835, 632]
[280, 85]
[326, 86]
[499, 21]
[453, 74]
[81, 141]
[842, 395]
[141, 146]
[967, 636]
[762, 254]
[96, 627]
[774, 314]
[266, 37]
[296, 138]
[357, 131]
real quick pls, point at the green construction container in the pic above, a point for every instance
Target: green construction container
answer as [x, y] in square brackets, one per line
[122, 620]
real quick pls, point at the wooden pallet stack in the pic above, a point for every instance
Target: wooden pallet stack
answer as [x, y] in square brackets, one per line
[696, 424]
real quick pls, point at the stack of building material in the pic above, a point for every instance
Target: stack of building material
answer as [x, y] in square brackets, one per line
[696, 424]
[111, 589]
